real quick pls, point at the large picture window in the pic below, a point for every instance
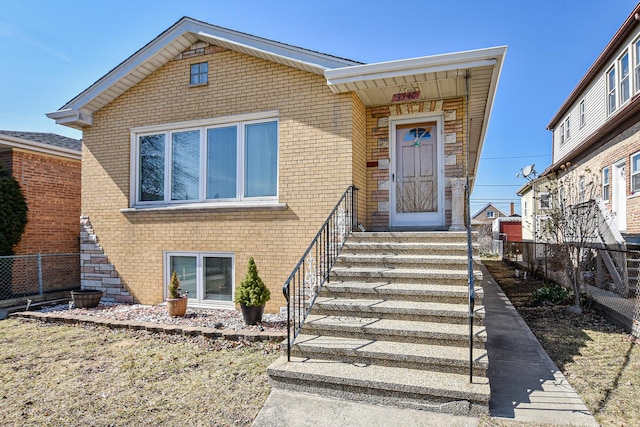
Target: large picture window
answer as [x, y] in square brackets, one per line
[206, 277]
[220, 162]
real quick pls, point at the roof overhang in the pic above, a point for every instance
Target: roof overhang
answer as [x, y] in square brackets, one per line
[474, 73]
[78, 112]
[11, 142]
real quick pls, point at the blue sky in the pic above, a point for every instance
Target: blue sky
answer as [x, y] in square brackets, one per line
[52, 51]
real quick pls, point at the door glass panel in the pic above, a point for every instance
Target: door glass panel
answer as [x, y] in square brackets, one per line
[185, 165]
[218, 278]
[416, 180]
[185, 266]
[221, 163]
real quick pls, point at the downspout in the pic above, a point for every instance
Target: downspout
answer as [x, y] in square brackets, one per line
[472, 294]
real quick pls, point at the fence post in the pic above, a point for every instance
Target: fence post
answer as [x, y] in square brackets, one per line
[40, 284]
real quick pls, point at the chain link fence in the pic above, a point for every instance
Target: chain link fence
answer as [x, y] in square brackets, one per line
[610, 277]
[30, 275]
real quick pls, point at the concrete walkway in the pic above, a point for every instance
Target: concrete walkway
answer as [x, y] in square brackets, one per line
[526, 386]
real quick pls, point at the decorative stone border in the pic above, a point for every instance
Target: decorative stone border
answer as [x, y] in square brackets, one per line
[227, 334]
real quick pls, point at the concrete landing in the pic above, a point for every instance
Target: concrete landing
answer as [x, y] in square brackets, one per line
[287, 408]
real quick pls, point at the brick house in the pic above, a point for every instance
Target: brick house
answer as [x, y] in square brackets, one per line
[208, 146]
[596, 130]
[486, 215]
[48, 168]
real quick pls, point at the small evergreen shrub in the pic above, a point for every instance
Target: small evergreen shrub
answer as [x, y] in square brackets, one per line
[13, 212]
[252, 290]
[174, 287]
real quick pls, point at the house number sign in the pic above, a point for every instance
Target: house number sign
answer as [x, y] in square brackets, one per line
[406, 96]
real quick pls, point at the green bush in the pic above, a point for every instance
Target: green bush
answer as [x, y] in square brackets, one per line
[252, 290]
[13, 212]
[552, 294]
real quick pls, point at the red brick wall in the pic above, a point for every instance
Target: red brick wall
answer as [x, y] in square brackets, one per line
[51, 186]
[5, 160]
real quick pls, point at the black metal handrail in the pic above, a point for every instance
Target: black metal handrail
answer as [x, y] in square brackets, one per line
[312, 271]
[472, 291]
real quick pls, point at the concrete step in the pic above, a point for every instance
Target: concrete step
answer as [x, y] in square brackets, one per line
[455, 293]
[413, 236]
[410, 388]
[427, 357]
[441, 262]
[418, 248]
[399, 310]
[406, 275]
[410, 331]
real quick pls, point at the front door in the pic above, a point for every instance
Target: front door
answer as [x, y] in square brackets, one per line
[619, 196]
[417, 190]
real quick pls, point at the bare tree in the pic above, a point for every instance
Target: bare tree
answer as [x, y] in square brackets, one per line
[572, 224]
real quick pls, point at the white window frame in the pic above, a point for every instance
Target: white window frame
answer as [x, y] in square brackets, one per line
[624, 96]
[198, 300]
[545, 205]
[634, 173]
[583, 118]
[567, 128]
[611, 90]
[606, 183]
[636, 65]
[241, 121]
[562, 133]
[490, 214]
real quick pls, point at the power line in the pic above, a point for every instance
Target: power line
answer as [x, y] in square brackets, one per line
[499, 185]
[515, 157]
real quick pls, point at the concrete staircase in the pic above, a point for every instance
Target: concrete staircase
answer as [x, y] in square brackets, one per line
[391, 327]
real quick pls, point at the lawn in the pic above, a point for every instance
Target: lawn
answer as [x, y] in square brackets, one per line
[600, 361]
[54, 374]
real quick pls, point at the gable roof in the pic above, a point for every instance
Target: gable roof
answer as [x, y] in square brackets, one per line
[78, 112]
[486, 207]
[49, 143]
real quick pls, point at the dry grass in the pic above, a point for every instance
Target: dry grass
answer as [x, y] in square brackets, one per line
[600, 361]
[93, 376]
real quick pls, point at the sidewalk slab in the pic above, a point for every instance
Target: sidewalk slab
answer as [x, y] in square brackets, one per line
[526, 386]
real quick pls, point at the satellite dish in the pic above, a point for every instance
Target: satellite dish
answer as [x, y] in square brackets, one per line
[526, 171]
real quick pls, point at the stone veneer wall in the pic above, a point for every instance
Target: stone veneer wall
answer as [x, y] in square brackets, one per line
[96, 273]
[378, 155]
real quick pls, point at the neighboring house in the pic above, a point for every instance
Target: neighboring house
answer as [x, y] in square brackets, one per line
[486, 215]
[597, 129]
[536, 203]
[209, 145]
[48, 168]
[507, 228]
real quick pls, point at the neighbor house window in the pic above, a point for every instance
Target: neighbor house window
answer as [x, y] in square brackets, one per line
[567, 128]
[199, 73]
[582, 114]
[636, 48]
[490, 214]
[221, 162]
[635, 173]
[545, 201]
[625, 85]
[524, 208]
[562, 134]
[581, 189]
[206, 277]
[605, 184]
[611, 90]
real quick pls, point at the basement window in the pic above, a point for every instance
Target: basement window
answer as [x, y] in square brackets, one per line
[199, 74]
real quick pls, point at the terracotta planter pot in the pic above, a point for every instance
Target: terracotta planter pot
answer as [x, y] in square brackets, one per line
[252, 314]
[86, 298]
[177, 306]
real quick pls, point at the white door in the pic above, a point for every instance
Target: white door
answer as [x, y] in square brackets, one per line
[417, 184]
[619, 196]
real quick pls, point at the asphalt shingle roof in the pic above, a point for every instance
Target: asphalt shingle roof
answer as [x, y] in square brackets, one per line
[46, 138]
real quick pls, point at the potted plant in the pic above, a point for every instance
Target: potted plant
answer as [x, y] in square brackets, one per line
[86, 298]
[177, 300]
[252, 295]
